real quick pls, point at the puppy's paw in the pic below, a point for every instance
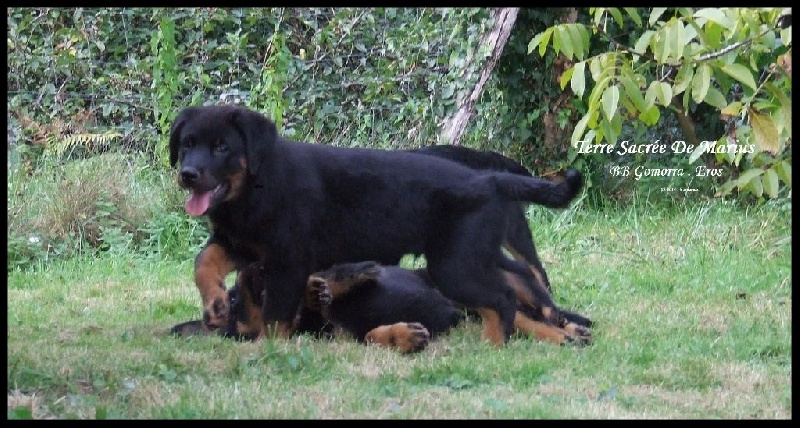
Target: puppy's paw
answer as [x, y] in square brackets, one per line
[215, 315]
[402, 336]
[318, 293]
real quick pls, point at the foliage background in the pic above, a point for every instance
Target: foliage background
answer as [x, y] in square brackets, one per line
[101, 85]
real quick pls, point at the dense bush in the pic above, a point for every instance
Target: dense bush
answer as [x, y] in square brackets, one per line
[86, 81]
[89, 81]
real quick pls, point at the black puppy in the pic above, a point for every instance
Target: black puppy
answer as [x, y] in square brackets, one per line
[366, 299]
[384, 305]
[299, 208]
[518, 240]
[398, 311]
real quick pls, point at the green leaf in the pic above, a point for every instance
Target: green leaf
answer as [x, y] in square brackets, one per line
[580, 127]
[643, 42]
[740, 73]
[661, 47]
[660, 91]
[733, 109]
[578, 81]
[697, 152]
[595, 68]
[701, 82]
[716, 15]
[565, 77]
[755, 187]
[565, 41]
[675, 41]
[651, 116]
[748, 176]
[585, 37]
[766, 132]
[545, 40]
[634, 14]
[655, 14]
[602, 65]
[617, 15]
[597, 91]
[577, 41]
[632, 90]
[770, 183]
[608, 133]
[784, 171]
[610, 101]
[599, 13]
[537, 40]
[683, 79]
[556, 39]
[786, 105]
[786, 36]
[715, 98]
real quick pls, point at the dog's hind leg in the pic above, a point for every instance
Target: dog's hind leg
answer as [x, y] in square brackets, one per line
[481, 288]
[550, 333]
[520, 278]
[519, 242]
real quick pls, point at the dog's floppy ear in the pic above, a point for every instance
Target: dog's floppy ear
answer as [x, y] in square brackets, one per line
[259, 133]
[174, 132]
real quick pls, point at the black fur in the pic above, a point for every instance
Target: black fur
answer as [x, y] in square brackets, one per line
[384, 295]
[301, 207]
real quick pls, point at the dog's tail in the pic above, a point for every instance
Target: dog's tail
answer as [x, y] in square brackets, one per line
[552, 194]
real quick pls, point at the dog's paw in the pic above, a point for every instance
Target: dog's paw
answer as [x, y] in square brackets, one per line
[416, 337]
[578, 339]
[404, 337]
[318, 294]
[215, 315]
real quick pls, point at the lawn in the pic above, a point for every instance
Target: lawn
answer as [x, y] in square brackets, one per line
[692, 305]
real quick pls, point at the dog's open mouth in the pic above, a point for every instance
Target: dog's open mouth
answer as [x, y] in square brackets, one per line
[199, 202]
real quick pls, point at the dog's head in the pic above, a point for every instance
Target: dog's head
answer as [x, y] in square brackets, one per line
[218, 147]
[246, 298]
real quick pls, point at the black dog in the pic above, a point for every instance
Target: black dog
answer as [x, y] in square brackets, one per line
[385, 305]
[376, 303]
[299, 208]
[518, 240]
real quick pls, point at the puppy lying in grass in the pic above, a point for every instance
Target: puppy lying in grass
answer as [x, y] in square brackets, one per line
[384, 305]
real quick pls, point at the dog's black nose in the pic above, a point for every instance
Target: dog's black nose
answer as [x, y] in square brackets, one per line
[189, 175]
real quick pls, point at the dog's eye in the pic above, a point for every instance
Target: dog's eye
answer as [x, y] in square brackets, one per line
[188, 143]
[221, 149]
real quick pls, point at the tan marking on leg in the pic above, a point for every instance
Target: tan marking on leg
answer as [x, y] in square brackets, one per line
[211, 267]
[492, 326]
[540, 330]
[522, 292]
[536, 273]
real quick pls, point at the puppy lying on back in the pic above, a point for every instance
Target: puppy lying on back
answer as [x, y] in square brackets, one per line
[384, 305]
[375, 303]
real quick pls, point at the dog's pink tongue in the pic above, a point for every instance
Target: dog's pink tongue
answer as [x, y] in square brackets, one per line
[198, 203]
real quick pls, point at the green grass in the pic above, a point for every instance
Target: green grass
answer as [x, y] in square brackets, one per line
[692, 305]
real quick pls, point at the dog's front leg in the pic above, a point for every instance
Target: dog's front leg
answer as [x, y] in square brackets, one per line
[210, 268]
